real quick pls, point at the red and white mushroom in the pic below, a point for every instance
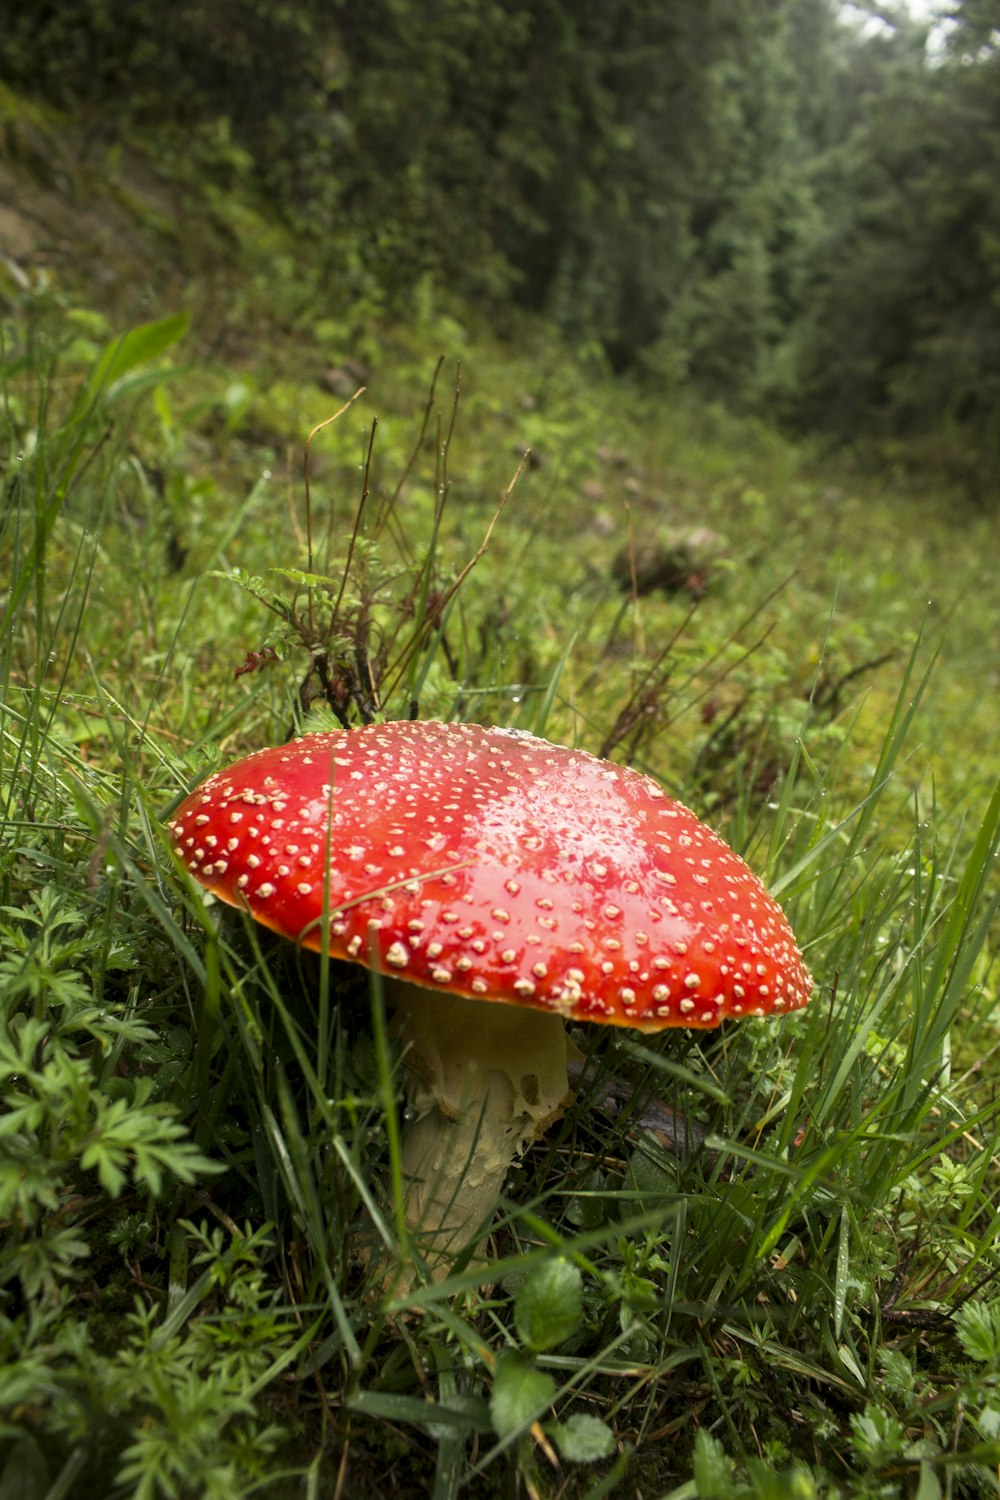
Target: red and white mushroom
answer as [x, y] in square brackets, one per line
[504, 885]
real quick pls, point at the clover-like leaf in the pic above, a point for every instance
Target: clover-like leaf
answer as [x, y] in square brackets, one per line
[582, 1439]
[521, 1392]
[549, 1305]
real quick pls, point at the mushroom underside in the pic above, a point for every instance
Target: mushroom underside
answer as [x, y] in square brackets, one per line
[485, 1080]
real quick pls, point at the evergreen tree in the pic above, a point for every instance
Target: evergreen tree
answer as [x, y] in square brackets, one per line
[903, 334]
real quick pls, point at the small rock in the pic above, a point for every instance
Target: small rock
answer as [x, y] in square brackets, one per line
[682, 563]
[346, 378]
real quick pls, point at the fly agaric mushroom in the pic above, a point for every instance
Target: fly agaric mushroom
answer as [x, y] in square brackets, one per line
[504, 885]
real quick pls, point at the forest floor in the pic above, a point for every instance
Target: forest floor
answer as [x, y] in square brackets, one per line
[864, 560]
[802, 648]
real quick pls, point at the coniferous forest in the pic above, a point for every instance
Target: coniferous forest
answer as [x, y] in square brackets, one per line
[787, 205]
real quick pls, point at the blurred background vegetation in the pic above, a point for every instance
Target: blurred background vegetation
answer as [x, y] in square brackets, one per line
[786, 205]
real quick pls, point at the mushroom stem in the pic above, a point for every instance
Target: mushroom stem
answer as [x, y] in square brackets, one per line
[485, 1081]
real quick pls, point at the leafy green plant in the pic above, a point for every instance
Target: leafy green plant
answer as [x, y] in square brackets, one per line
[548, 1310]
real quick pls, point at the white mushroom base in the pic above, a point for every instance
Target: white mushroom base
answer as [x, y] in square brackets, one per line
[487, 1079]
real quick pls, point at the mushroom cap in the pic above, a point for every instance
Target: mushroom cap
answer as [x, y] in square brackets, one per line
[495, 865]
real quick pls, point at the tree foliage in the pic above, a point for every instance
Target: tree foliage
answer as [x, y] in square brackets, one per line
[786, 204]
[902, 334]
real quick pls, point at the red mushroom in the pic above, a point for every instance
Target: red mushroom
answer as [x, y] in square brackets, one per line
[504, 885]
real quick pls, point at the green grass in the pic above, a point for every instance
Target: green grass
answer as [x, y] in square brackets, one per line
[199, 1123]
